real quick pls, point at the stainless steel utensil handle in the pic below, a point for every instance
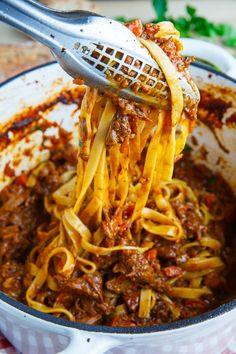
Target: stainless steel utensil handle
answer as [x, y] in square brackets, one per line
[37, 21]
[31, 18]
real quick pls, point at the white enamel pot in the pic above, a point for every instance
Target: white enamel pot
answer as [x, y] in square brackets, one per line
[31, 331]
[211, 53]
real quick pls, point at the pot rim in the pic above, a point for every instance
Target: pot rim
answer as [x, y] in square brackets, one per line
[220, 310]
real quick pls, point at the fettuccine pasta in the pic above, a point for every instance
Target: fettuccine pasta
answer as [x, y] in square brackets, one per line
[121, 208]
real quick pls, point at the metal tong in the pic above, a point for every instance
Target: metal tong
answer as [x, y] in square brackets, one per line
[101, 51]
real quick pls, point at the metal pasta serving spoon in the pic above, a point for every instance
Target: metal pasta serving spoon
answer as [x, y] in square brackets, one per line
[101, 51]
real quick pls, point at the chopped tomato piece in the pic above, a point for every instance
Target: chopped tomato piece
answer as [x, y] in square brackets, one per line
[210, 200]
[78, 81]
[172, 271]
[151, 254]
[213, 280]
[9, 172]
[136, 27]
[21, 180]
[127, 213]
[196, 303]
[60, 298]
[61, 263]
[122, 321]
[115, 321]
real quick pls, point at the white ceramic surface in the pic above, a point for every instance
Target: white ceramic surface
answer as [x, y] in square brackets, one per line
[32, 334]
[211, 53]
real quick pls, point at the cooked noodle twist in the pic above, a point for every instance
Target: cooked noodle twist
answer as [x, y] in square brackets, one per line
[133, 174]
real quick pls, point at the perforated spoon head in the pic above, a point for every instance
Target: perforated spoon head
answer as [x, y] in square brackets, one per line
[107, 55]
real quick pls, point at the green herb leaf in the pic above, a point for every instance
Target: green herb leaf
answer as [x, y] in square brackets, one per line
[121, 19]
[160, 7]
[230, 38]
[193, 25]
[222, 29]
[187, 148]
[230, 42]
[211, 180]
[37, 127]
[182, 25]
[191, 11]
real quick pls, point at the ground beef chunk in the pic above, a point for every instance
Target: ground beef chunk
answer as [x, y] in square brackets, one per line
[87, 312]
[18, 219]
[167, 252]
[172, 271]
[190, 220]
[119, 129]
[66, 299]
[138, 269]
[131, 108]
[122, 286]
[11, 275]
[214, 280]
[89, 284]
[131, 298]
[119, 285]
[91, 311]
[69, 155]
[122, 321]
[192, 307]
[104, 262]
[47, 180]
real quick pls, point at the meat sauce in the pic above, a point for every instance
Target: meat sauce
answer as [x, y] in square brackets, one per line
[84, 294]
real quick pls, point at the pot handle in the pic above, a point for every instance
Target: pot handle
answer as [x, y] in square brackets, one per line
[89, 343]
[212, 53]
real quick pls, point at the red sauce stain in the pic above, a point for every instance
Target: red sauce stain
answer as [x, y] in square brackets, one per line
[8, 171]
[212, 110]
[231, 121]
[22, 123]
[26, 121]
[27, 152]
[21, 180]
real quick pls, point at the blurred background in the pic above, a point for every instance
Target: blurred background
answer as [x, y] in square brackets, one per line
[212, 20]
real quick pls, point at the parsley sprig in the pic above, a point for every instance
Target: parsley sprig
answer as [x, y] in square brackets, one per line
[193, 25]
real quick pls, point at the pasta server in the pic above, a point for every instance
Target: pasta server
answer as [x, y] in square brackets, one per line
[101, 51]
